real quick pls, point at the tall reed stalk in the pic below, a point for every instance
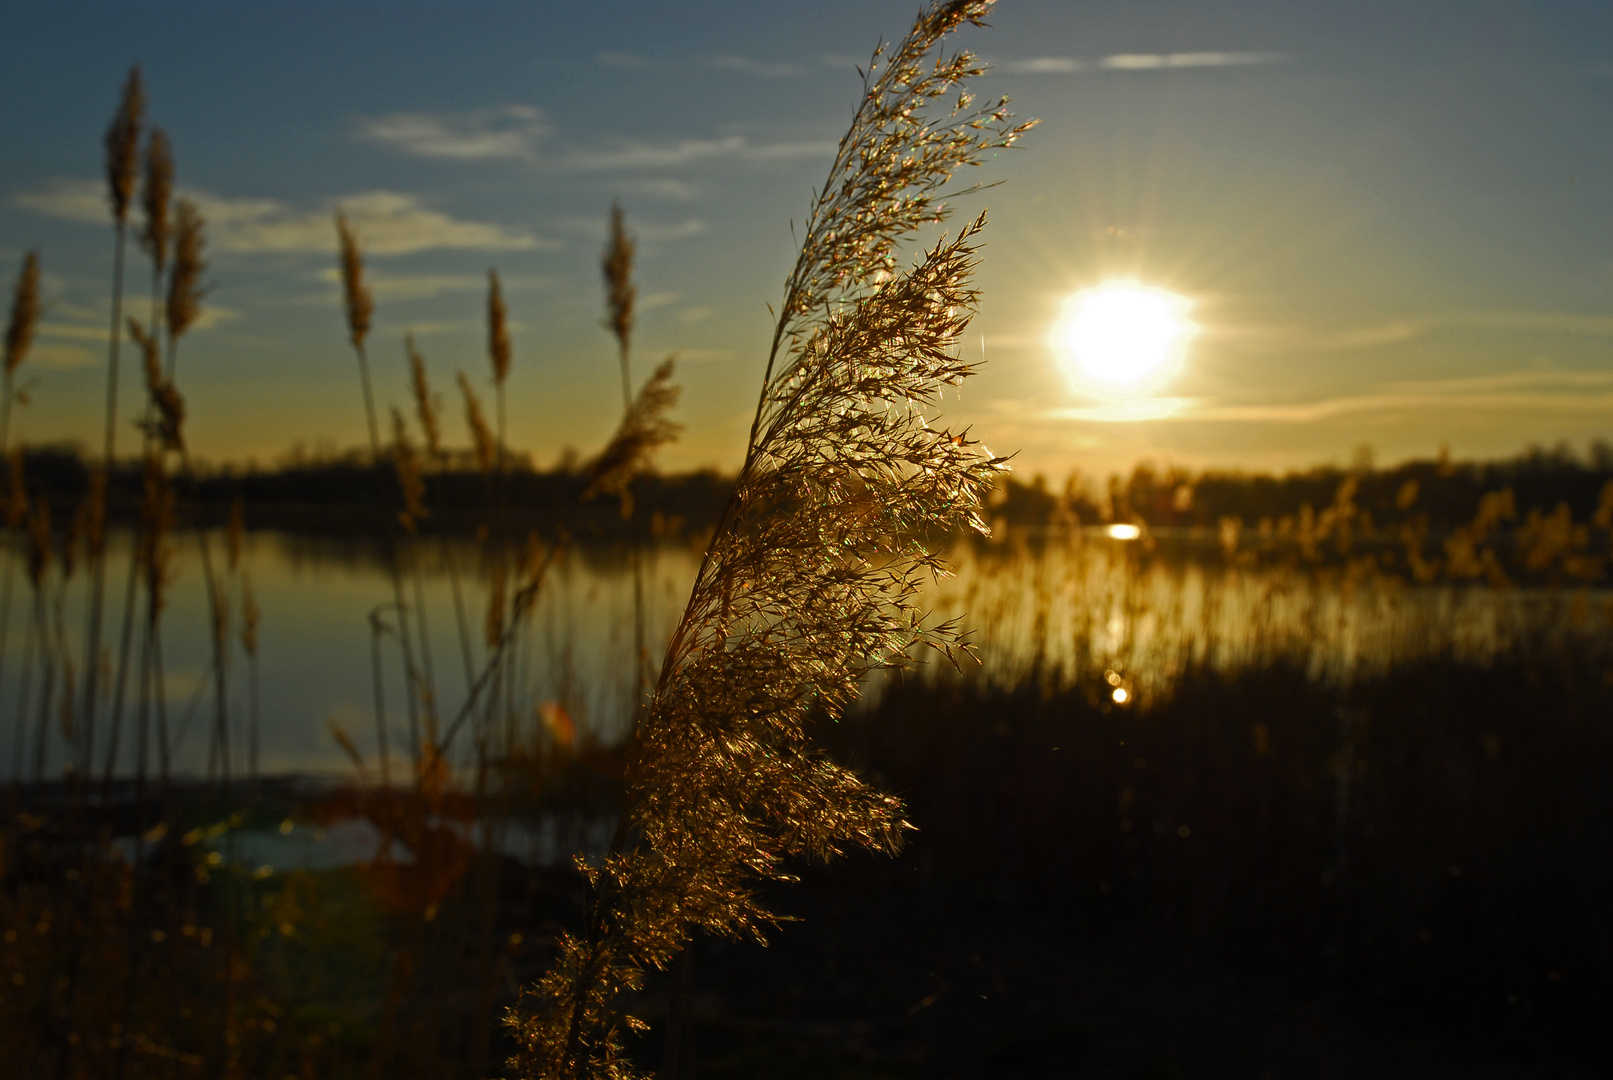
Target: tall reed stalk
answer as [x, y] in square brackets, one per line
[359, 307]
[620, 293]
[122, 171]
[20, 327]
[156, 196]
[811, 579]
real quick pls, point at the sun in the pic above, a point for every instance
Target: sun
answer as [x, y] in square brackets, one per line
[1122, 339]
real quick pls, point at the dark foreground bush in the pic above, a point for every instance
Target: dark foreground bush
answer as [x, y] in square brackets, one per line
[1261, 877]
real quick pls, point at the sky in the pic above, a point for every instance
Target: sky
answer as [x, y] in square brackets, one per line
[1393, 221]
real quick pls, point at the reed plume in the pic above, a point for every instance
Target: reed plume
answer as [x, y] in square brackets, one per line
[620, 293]
[425, 402]
[25, 311]
[411, 479]
[811, 579]
[122, 173]
[482, 437]
[616, 265]
[359, 307]
[185, 288]
[644, 429]
[123, 145]
[498, 330]
[20, 327]
[155, 195]
[167, 414]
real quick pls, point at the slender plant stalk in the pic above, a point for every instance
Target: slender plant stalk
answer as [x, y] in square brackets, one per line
[377, 631]
[811, 579]
[122, 165]
[156, 197]
[360, 309]
[620, 294]
[20, 328]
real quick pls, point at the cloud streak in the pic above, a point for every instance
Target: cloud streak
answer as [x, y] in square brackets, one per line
[510, 132]
[1177, 61]
[1069, 65]
[389, 223]
[630, 155]
[1556, 393]
[744, 65]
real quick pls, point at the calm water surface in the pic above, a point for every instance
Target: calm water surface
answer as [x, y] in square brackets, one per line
[1094, 611]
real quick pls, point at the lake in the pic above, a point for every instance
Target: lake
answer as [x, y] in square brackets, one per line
[1123, 617]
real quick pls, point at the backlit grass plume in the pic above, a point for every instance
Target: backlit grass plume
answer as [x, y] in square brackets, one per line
[498, 330]
[185, 288]
[123, 146]
[811, 579]
[20, 328]
[620, 293]
[155, 196]
[645, 428]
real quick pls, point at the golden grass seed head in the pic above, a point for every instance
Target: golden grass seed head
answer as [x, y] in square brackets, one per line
[617, 266]
[185, 288]
[425, 402]
[155, 197]
[356, 299]
[410, 477]
[149, 354]
[498, 330]
[481, 434]
[25, 311]
[644, 429]
[169, 422]
[123, 146]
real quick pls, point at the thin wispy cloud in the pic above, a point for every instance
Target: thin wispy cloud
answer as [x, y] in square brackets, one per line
[509, 132]
[762, 68]
[1169, 61]
[392, 288]
[657, 299]
[1515, 393]
[388, 222]
[629, 154]
[83, 201]
[1293, 338]
[58, 357]
[1044, 65]
[745, 65]
[661, 189]
[1069, 65]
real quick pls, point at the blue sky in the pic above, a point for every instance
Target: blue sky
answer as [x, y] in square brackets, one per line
[1395, 221]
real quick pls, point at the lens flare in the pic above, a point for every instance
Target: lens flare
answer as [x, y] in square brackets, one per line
[1123, 339]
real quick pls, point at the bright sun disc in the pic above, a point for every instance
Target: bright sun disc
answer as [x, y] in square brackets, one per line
[1123, 339]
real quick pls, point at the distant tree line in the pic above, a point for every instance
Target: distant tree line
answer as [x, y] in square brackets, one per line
[1443, 493]
[335, 492]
